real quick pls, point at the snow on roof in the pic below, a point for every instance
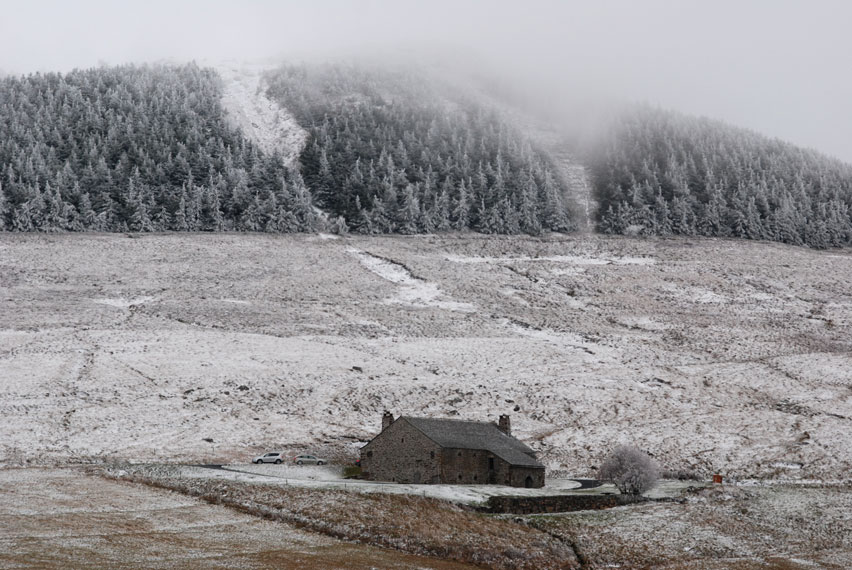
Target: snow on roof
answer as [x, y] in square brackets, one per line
[461, 434]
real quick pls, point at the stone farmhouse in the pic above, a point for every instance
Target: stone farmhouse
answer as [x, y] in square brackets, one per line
[425, 450]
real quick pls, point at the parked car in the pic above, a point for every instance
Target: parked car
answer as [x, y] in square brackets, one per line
[308, 460]
[271, 457]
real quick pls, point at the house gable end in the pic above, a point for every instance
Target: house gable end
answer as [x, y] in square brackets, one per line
[401, 453]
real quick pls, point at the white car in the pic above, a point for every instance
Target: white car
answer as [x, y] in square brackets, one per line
[271, 457]
[308, 460]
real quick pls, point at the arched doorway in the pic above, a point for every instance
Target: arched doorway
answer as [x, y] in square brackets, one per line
[528, 482]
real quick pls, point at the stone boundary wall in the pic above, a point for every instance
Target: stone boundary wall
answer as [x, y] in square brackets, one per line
[558, 503]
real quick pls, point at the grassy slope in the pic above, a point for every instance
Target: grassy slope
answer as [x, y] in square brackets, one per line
[713, 355]
[717, 528]
[413, 525]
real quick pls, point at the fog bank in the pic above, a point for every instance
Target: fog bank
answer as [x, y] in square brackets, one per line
[779, 67]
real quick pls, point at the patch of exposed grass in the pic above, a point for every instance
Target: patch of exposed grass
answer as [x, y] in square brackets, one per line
[351, 472]
[409, 524]
[717, 527]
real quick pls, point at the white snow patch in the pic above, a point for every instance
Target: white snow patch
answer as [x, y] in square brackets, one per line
[634, 260]
[762, 296]
[514, 294]
[695, 294]
[567, 271]
[571, 259]
[564, 340]
[787, 465]
[530, 332]
[123, 303]
[260, 118]
[710, 297]
[413, 291]
[802, 561]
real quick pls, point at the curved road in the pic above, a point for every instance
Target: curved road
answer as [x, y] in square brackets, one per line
[584, 483]
[587, 483]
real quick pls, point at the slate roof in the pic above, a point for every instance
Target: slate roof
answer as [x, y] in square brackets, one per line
[460, 434]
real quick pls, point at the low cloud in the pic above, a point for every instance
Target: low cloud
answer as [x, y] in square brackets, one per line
[778, 67]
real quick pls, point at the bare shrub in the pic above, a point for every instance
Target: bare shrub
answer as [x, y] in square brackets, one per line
[630, 469]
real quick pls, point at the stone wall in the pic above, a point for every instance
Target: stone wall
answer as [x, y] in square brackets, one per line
[401, 453]
[479, 467]
[558, 503]
[473, 467]
[518, 476]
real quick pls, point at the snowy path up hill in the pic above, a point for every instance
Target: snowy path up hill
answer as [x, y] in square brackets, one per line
[263, 120]
[544, 135]
[579, 184]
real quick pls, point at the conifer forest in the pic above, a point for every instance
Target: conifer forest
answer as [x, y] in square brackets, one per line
[148, 148]
[661, 173]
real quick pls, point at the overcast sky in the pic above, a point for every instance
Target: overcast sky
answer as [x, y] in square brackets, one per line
[781, 67]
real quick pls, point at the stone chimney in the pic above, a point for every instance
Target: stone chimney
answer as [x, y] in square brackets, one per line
[387, 420]
[505, 425]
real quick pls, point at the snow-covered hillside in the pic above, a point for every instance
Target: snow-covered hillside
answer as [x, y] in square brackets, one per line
[713, 355]
[545, 134]
[261, 119]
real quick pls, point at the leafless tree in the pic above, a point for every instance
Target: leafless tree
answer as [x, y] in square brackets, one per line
[630, 469]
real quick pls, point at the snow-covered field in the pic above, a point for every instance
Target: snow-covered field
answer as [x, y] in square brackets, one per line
[714, 355]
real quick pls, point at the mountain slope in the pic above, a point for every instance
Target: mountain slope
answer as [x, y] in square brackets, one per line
[714, 355]
[384, 150]
[662, 173]
[391, 152]
[137, 148]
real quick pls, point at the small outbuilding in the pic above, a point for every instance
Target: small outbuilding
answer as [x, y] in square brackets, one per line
[427, 450]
